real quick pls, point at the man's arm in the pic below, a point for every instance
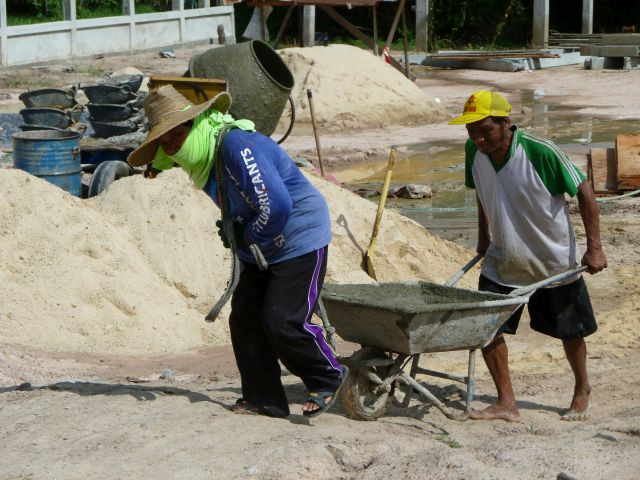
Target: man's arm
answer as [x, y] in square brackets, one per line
[483, 229]
[594, 257]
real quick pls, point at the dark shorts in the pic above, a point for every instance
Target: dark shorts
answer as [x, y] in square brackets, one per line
[563, 312]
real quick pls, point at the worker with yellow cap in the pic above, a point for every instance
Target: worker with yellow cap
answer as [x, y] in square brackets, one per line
[525, 235]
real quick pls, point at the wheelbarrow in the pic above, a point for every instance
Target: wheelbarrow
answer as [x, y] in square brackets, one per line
[397, 322]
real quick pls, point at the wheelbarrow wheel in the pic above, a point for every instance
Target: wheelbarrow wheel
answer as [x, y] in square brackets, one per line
[105, 174]
[361, 398]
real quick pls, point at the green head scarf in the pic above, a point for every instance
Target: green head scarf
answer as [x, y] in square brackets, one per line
[196, 155]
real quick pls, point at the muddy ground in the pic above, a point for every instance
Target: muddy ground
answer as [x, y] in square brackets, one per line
[80, 416]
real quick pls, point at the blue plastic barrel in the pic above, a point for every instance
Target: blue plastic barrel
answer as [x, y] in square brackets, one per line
[51, 155]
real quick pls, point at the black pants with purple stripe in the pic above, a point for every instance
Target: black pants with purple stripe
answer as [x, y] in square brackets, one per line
[270, 321]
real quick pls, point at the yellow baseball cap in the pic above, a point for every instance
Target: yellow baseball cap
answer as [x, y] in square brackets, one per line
[480, 105]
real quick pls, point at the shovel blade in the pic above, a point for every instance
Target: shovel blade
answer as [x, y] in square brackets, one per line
[371, 271]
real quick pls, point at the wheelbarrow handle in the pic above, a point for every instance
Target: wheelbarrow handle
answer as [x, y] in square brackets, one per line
[460, 273]
[529, 289]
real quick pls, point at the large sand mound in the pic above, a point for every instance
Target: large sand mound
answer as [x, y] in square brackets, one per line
[354, 89]
[136, 269]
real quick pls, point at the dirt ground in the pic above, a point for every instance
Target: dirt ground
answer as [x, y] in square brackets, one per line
[114, 417]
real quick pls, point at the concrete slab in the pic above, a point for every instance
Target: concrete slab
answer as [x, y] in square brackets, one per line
[566, 56]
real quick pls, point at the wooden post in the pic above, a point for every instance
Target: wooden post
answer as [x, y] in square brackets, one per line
[394, 24]
[287, 16]
[540, 23]
[587, 16]
[422, 25]
[263, 27]
[315, 131]
[405, 45]
[308, 25]
[375, 30]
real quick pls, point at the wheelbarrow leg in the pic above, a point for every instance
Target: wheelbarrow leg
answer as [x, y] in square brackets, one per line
[404, 403]
[330, 331]
[471, 379]
[439, 405]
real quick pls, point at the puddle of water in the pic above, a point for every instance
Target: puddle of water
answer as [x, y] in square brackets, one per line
[451, 211]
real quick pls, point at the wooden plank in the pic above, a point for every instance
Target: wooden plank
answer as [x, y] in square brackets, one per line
[197, 90]
[628, 157]
[621, 39]
[599, 50]
[603, 172]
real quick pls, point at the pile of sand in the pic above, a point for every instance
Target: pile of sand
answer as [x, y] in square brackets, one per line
[352, 88]
[136, 269]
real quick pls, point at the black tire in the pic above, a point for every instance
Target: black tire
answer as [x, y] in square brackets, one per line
[361, 399]
[105, 174]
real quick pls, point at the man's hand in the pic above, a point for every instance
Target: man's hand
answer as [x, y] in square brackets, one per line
[595, 260]
[151, 172]
[238, 232]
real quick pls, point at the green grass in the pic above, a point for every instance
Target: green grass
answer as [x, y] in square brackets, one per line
[82, 13]
[447, 440]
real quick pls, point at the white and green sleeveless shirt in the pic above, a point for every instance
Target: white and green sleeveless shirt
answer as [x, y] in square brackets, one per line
[523, 199]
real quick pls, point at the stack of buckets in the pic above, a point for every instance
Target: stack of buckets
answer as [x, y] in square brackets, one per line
[53, 155]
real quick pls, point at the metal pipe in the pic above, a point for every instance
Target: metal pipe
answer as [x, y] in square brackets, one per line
[471, 379]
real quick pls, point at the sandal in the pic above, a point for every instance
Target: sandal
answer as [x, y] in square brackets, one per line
[320, 398]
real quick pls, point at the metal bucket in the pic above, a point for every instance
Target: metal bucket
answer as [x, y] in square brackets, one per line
[51, 155]
[259, 80]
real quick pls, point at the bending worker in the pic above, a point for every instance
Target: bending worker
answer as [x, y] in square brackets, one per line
[274, 207]
[525, 234]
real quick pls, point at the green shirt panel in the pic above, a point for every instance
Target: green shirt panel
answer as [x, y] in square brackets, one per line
[553, 166]
[470, 150]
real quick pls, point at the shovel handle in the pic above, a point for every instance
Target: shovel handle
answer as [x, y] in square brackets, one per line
[383, 194]
[529, 289]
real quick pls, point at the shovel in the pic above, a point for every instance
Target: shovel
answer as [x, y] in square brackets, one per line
[376, 224]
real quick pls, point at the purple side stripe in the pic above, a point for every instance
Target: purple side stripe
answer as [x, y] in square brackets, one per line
[316, 330]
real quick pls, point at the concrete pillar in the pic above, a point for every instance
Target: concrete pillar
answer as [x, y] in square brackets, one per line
[129, 9]
[66, 9]
[540, 23]
[308, 26]
[179, 5]
[422, 25]
[587, 16]
[4, 56]
[70, 15]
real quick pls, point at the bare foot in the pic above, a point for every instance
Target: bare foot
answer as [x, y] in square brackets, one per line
[497, 412]
[579, 408]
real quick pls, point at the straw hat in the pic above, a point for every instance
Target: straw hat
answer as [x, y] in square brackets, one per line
[167, 108]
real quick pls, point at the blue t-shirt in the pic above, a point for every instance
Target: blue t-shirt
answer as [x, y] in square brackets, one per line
[281, 210]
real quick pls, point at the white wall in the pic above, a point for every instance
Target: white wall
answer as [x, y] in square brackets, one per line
[26, 44]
